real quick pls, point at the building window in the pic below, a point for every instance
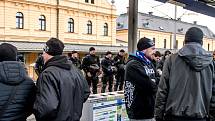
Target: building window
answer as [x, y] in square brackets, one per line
[92, 1]
[154, 40]
[165, 43]
[208, 47]
[89, 27]
[86, 1]
[71, 25]
[176, 44]
[19, 20]
[105, 29]
[42, 22]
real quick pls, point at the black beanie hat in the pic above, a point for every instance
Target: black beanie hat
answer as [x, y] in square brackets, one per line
[73, 52]
[167, 52]
[92, 48]
[8, 52]
[194, 34]
[122, 51]
[54, 47]
[108, 52]
[144, 43]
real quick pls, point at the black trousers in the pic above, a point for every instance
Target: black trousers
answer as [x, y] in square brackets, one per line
[119, 82]
[93, 80]
[107, 79]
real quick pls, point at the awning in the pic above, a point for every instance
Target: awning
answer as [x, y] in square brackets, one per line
[38, 47]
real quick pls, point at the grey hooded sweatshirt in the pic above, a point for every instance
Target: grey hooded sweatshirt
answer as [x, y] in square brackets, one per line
[185, 89]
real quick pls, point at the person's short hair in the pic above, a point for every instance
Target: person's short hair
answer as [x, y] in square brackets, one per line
[54, 47]
[122, 51]
[157, 54]
[108, 52]
[73, 52]
[167, 52]
[92, 48]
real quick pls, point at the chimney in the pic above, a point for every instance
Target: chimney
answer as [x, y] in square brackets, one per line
[195, 22]
[150, 13]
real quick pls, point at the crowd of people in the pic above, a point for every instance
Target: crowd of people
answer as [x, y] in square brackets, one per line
[170, 87]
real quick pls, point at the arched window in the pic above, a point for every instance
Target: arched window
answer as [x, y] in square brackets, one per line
[19, 20]
[71, 25]
[92, 1]
[42, 22]
[105, 29]
[89, 27]
[208, 47]
[165, 43]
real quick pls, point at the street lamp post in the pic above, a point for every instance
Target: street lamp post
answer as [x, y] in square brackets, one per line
[132, 25]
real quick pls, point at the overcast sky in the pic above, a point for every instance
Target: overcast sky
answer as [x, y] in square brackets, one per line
[167, 10]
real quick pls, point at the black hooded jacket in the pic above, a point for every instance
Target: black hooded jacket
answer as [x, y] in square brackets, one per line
[13, 74]
[62, 90]
[185, 88]
[140, 88]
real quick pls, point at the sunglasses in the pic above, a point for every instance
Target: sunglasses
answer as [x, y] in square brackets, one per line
[46, 48]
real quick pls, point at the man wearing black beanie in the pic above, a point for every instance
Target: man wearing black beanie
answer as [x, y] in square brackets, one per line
[140, 82]
[91, 67]
[186, 91]
[62, 89]
[108, 72]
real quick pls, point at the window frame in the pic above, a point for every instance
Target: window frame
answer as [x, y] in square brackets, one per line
[42, 23]
[19, 20]
[105, 29]
[71, 25]
[89, 27]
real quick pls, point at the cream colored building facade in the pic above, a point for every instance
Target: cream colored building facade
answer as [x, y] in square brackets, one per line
[28, 24]
[162, 32]
[81, 12]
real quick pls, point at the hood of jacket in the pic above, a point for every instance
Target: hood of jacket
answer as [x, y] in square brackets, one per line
[12, 72]
[58, 61]
[195, 56]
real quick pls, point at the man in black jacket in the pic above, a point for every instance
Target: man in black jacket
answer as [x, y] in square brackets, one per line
[187, 85]
[39, 64]
[140, 82]
[74, 58]
[91, 67]
[119, 62]
[108, 72]
[17, 90]
[62, 89]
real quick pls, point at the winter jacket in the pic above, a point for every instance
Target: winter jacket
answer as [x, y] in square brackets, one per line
[39, 64]
[119, 62]
[76, 62]
[185, 88]
[140, 88]
[91, 63]
[62, 90]
[13, 74]
[106, 64]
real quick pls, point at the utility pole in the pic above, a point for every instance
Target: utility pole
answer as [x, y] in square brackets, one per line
[57, 29]
[112, 4]
[132, 25]
[175, 22]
